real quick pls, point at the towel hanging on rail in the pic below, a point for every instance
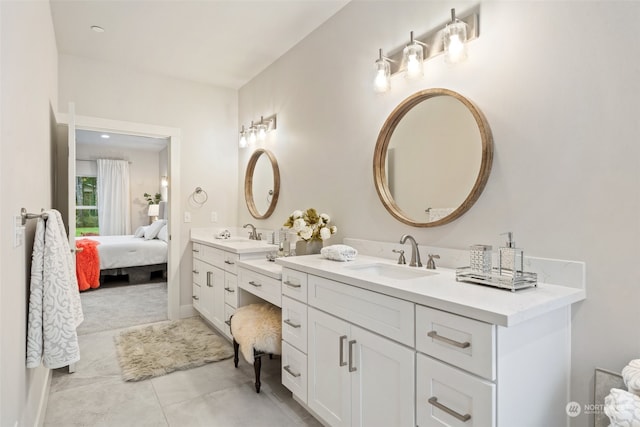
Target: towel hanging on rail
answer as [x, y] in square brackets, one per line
[55, 310]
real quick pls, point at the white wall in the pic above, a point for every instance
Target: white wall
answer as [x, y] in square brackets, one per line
[28, 88]
[144, 175]
[558, 83]
[206, 116]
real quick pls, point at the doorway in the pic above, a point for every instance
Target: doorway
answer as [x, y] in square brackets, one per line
[65, 181]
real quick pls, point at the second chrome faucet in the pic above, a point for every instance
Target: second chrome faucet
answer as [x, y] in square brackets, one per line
[415, 252]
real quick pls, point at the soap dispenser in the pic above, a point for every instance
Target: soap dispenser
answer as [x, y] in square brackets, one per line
[510, 258]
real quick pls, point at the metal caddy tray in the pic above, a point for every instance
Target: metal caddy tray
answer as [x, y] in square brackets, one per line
[521, 280]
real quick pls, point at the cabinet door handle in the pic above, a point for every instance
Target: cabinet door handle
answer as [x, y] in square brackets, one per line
[293, 374]
[195, 271]
[351, 367]
[229, 290]
[435, 336]
[209, 274]
[226, 261]
[290, 323]
[195, 297]
[291, 285]
[257, 285]
[434, 401]
[342, 340]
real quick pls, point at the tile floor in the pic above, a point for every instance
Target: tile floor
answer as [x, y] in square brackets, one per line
[213, 395]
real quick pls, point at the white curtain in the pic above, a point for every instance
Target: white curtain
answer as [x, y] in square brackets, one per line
[114, 210]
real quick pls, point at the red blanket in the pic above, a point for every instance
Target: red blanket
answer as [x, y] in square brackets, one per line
[87, 264]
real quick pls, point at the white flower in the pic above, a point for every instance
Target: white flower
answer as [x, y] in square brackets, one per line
[334, 229]
[296, 214]
[306, 233]
[299, 224]
[324, 217]
[325, 233]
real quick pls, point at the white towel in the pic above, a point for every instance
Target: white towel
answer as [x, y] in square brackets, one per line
[631, 376]
[622, 408]
[339, 252]
[55, 309]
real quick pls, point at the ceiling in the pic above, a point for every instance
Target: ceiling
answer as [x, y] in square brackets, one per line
[110, 140]
[220, 42]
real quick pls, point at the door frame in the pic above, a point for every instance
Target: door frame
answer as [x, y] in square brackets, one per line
[173, 135]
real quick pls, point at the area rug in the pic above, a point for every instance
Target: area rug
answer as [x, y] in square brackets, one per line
[154, 350]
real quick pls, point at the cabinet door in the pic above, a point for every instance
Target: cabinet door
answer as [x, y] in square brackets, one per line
[382, 381]
[328, 375]
[212, 297]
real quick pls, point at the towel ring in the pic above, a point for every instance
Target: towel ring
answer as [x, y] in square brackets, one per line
[200, 196]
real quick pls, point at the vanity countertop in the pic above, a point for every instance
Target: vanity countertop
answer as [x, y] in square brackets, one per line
[441, 290]
[237, 245]
[262, 266]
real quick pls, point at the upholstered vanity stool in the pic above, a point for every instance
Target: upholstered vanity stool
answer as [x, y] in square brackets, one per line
[256, 330]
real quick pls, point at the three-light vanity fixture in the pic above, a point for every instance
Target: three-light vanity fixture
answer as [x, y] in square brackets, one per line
[452, 40]
[257, 131]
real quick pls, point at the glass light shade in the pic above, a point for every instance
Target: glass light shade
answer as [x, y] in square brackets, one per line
[413, 56]
[164, 181]
[252, 136]
[261, 132]
[455, 42]
[243, 140]
[382, 79]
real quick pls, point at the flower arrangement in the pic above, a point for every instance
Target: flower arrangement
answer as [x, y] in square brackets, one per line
[152, 200]
[311, 226]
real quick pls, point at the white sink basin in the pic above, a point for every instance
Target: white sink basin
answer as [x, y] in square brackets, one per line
[392, 271]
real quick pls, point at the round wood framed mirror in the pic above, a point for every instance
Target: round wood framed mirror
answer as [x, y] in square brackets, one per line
[262, 184]
[432, 158]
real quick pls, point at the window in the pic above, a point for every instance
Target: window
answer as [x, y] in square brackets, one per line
[86, 206]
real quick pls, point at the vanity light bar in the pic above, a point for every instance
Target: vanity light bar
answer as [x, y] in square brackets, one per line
[257, 129]
[434, 42]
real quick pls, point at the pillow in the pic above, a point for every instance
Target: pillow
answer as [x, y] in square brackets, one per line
[163, 234]
[152, 230]
[140, 231]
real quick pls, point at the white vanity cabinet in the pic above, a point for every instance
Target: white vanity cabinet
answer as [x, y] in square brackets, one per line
[215, 280]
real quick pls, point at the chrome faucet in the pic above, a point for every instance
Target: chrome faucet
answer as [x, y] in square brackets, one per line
[253, 235]
[415, 253]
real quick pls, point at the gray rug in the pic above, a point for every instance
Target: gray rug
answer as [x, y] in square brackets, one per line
[154, 350]
[112, 307]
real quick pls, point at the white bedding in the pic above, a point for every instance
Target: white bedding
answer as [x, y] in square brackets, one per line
[129, 251]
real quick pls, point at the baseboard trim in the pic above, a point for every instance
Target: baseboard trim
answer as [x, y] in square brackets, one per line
[187, 311]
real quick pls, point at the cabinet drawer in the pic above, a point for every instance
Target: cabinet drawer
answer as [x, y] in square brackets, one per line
[388, 316]
[195, 295]
[199, 271]
[294, 284]
[460, 341]
[197, 251]
[267, 288]
[447, 396]
[294, 371]
[294, 323]
[213, 256]
[228, 312]
[231, 289]
[230, 262]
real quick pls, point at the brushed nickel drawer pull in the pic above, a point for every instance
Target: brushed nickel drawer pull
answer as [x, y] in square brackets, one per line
[288, 369]
[257, 285]
[228, 322]
[342, 340]
[228, 262]
[195, 297]
[292, 285]
[229, 290]
[195, 250]
[435, 336]
[351, 367]
[209, 274]
[434, 401]
[195, 272]
[290, 323]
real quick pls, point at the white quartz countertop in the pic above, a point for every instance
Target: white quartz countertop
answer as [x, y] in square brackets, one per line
[441, 290]
[262, 266]
[237, 245]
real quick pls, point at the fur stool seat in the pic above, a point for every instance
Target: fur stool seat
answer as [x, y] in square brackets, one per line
[256, 330]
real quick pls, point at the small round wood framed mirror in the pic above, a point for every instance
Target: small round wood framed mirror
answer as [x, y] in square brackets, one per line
[262, 184]
[432, 158]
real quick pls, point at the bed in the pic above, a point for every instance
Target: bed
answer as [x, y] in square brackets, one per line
[135, 255]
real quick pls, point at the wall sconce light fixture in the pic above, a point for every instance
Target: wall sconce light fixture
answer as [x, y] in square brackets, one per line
[164, 181]
[450, 39]
[257, 131]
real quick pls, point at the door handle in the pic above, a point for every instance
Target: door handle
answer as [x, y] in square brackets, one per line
[209, 274]
[351, 367]
[434, 401]
[435, 336]
[342, 340]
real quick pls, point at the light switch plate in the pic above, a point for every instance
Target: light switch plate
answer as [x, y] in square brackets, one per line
[187, 217]
[214, 216]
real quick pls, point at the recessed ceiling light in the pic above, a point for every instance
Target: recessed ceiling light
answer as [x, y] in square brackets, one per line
[97, 29]
[105, 136]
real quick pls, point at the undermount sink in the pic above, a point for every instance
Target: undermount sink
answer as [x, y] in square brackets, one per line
[392, 271]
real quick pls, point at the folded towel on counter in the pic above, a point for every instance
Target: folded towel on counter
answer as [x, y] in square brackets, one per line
[339, 252]
[631, 376]
[622, 408]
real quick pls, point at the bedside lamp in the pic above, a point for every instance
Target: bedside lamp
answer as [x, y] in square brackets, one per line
[154, 211]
